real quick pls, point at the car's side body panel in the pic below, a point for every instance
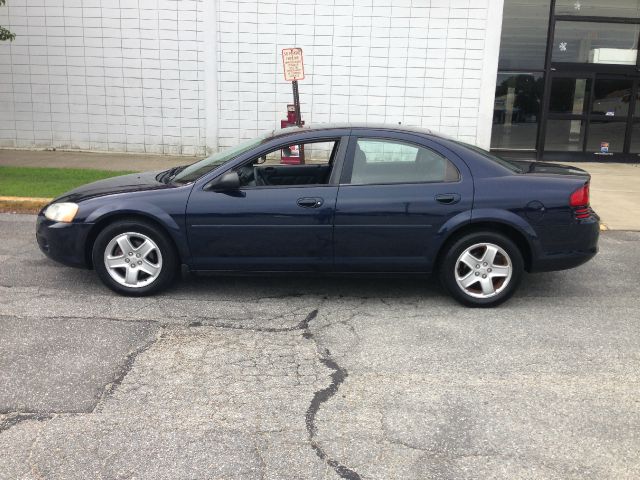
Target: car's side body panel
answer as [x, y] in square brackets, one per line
[261, 229]
[538, 207]
[390, 227]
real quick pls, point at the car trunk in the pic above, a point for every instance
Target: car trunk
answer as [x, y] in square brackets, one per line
[550, 168]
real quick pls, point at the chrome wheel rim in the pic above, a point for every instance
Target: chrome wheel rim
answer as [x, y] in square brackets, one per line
[133, 260]
[483, 270]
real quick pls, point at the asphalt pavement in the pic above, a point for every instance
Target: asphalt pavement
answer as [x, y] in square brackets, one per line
[317, 378]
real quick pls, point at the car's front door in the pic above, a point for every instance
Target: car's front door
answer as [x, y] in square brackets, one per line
[395, 195]
[280, 219]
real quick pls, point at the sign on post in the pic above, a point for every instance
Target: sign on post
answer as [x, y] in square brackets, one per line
[293, 64]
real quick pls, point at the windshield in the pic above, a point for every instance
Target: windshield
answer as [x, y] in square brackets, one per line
[505, 163]
[198, 169]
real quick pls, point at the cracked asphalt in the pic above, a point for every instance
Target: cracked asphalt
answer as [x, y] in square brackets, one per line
[317, 378]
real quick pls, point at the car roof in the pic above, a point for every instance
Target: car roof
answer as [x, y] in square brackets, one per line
[355, 126]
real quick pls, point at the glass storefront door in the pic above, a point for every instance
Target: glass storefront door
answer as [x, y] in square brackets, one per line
[592, 85]
[591, 114]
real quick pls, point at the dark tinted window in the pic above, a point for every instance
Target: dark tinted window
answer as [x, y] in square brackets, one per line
[595, 8]
[569, 95]
[609, 135]
[516, 110]
[524, 34]
[564, 135]
[611, 97]
[494, 158]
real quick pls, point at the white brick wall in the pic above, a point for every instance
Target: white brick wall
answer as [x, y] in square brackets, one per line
[111, 75]
[129, 75]
[417, 62]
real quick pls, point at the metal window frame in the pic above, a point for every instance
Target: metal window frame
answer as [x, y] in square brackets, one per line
[551, 68]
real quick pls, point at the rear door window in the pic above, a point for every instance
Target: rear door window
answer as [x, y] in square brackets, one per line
[384, 161]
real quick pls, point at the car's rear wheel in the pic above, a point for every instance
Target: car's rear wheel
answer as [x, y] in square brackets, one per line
[482, 269]
[134, 258]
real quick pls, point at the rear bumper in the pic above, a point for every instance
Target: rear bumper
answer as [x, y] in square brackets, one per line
[63, 242]
[577, 244]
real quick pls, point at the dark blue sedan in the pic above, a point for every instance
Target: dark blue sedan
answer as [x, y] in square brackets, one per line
[332, 199]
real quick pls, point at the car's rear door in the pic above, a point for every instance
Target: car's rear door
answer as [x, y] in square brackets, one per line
[396, 192]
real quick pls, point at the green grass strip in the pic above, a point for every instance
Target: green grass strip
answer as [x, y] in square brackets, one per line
[47, 182]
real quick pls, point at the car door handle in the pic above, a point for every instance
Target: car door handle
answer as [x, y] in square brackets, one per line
[448, 198]
[310, 202]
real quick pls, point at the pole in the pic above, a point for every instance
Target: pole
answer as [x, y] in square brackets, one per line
[296, 102]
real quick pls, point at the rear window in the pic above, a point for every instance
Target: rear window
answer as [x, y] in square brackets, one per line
[490, 156]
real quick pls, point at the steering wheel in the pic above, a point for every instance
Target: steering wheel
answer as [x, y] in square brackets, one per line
[257, 176]
[245, 175]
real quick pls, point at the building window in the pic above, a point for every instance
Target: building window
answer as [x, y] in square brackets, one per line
[589, 42]
[599, 8]
[516, 110]
[524, 35]
[569, 95]
[564, 135]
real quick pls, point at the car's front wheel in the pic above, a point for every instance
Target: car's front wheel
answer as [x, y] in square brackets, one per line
[482, 269]
[134, 258]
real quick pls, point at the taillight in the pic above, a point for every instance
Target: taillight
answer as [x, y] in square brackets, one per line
[579, 200]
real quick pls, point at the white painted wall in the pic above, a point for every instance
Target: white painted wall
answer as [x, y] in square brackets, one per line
[110, 75]
[185, 76]
[419, 62]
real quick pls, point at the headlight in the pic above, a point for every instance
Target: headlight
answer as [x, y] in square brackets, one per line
[61, 212]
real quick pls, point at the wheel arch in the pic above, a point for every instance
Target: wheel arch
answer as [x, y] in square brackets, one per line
[109, 219]
[515, 234]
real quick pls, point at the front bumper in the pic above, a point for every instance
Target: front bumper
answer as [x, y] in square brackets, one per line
[63, 242]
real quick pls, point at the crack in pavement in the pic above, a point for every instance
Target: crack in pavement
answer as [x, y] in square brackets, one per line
[14, 418]
[322, 396]
[110, 388]
[301, 325]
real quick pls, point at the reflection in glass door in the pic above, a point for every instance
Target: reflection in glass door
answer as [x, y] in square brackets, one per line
[566, 120]
[609, 115]
[591, 114]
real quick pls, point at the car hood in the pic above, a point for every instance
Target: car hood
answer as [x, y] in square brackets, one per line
[134, 182]
[550, 168]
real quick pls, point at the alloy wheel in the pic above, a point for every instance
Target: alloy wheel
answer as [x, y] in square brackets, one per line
[483, 270]
[133, 259]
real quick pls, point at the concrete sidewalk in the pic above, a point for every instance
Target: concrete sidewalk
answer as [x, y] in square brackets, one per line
[98, 161]
[615, 187]
[615, 193]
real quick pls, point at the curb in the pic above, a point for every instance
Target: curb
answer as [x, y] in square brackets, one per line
[22, 204]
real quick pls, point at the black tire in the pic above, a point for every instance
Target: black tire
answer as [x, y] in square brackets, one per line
[168, 264]
[504, 288]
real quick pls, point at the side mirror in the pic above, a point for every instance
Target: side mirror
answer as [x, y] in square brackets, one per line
[226, 182]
